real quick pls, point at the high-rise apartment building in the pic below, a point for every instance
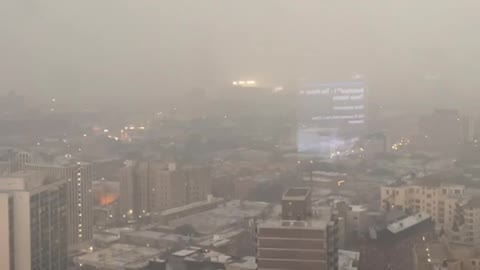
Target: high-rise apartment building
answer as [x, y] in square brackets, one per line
[299, 240]
[33, 222]
[151, 186]
[79, 196]
[453, 211]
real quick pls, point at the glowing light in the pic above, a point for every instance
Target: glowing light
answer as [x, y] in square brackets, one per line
[339, 183]
[106, 130]
[84, 135]
[142, 127]
[108, 199]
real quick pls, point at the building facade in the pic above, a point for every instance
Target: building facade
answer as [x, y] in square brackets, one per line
[299, 240]
[453, 211]
[33, 224]
[79, 196]
[151, 186]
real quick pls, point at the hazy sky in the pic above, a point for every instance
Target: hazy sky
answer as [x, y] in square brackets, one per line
[117, 48]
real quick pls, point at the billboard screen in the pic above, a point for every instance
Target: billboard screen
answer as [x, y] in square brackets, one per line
[331, 117]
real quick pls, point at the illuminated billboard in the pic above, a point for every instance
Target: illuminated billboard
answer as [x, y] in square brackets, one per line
[331, 117]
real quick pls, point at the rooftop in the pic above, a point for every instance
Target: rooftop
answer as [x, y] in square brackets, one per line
[146, 234]
[190, 206]
[225, 215]
[294, 192]
[119, 256]
[186, 252]
[248, 262]
[407, 222]
[209, 256]
[358, 208]
[28, 181]
[348, 260]
[307, 224]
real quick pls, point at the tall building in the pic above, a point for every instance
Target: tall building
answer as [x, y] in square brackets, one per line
[453, 211]
[79, 196]
[151, 186]
[299, 240]
[32, 223]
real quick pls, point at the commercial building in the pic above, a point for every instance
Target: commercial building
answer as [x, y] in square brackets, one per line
[299, 240]
[453, 211]
[150, 186]
[33, 222]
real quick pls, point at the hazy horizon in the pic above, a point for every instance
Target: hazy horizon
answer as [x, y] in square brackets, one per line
[135, 50]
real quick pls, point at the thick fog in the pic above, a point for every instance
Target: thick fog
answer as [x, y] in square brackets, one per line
[118, 50]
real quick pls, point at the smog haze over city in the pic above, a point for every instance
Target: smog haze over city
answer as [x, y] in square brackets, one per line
[239, 135]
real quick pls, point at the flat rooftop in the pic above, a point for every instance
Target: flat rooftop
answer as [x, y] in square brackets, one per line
[146, 234]
[296, 193]
[291, 224]
[407, 222]
[210, 256]
[226, 215]
[119, 256]
[186, 252]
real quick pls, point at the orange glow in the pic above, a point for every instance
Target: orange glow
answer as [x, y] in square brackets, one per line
[107, 199]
